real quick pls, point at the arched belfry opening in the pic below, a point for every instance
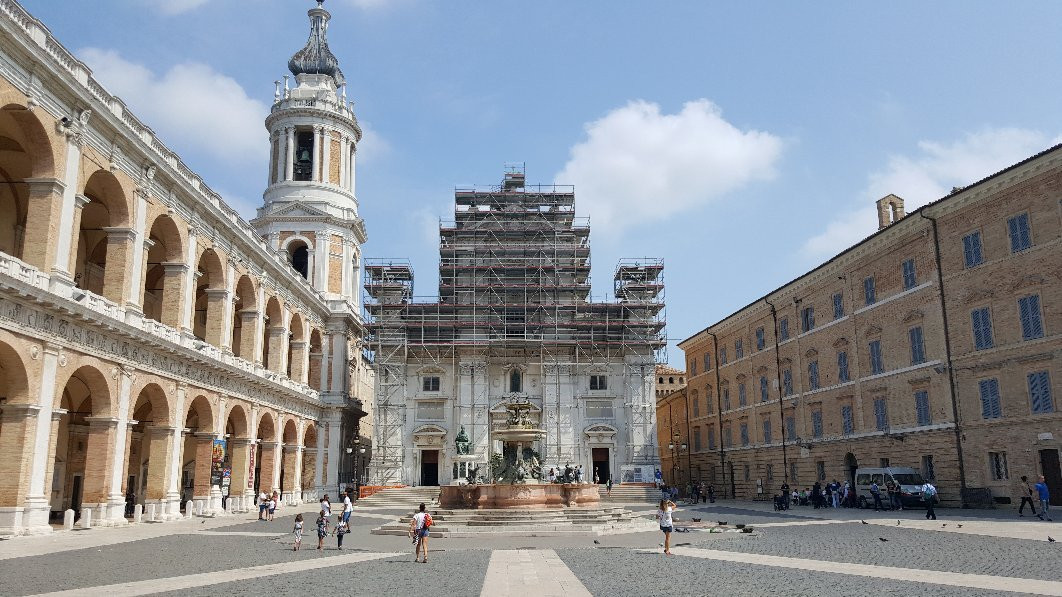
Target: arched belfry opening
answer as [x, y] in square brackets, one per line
[299, 257]
[890, 210]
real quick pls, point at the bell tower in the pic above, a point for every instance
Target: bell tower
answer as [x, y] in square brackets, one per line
[310, 210]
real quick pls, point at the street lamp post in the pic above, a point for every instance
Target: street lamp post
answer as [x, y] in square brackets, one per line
[675, 448]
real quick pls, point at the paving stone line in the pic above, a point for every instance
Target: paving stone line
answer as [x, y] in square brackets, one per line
[513, 572]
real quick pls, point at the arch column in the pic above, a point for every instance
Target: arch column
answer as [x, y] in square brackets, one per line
[267, 482]
[248, 333]
[308, 474]
[174, 275]
[188, 289]
[161, 442]
[69, 221]
[204, 450]
[278, 349]
[138, 268]
[299, 360]
[292, 468]
[317, 170]
[227, 308]
[43, 230]
[43, 439]
[99, 465]
[217, 301]
[289, 153]
[176, 461]
[241, 484]
[18, 424]
[116, 275]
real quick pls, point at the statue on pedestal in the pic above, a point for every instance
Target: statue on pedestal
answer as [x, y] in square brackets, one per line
[462, 443]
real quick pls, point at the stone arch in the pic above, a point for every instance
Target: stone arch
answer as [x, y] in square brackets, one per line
[199, 415]
[237, 422]
[210, 294]
[26, 154]
[244, 317]
[16, 427]
[147, 458]
[266, 459]
[197, 452]
[164, 271]
[289, 465]
[316, 359]
[85, 441]
[309, 457]
[274, 342]
[266, 428]
[299, 249]
[104, 239]
[237, 456]
[291, 432]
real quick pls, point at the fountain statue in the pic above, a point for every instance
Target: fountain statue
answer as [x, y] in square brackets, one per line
[515, 465]
[461, 443]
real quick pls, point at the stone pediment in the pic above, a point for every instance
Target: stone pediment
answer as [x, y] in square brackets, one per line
[1027, 281]
[600, 433]
[841, 342]
[431, 370]
[914, 315]
[297, 209]
[872, 331]
[978, 294]
[811, 353]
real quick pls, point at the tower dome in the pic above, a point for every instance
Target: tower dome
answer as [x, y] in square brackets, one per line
[315, 58]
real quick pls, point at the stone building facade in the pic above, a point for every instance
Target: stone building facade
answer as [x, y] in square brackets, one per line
[935, 343]
[155, 348]
[668, 379]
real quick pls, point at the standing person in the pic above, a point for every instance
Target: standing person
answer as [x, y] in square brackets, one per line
[711, 493]
[875, 491]
[816, 495]
[272, 502]
[263, 505]
[929, 496]
[835, 488]
[552, 475]
[1026, 492]
[322, 530]
[326, 506]
[348, 507]
[696, 493]
[827, 490]
[608, 486]
[659, 478]
[847, 495]
[341, 529]
[597, 479]
[893, 491]
[1045, 499]
[785, 494]
[419, 530]
[667, 524]
[297, 531]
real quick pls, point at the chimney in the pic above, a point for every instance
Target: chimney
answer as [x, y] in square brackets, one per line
[890, 210]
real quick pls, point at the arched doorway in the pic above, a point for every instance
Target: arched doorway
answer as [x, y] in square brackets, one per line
[148, 457]
[244, 318]
[85, 440]
[18, 422]
[197, 456]
[164, 273]
[315, 361]
[289, 466]
[239, 460]
[309, 481]
[26, 199]
[209, 298]
[265, 473]
[273, 343]
[850, 466]
[104, 242]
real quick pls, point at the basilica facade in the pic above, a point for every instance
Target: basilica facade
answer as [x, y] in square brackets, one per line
[156, 349]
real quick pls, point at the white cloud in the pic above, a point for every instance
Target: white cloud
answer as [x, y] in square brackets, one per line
[175, 7]
[639, 165]
[372, 4]
[191, 105]
[927, 176]
[372, 146]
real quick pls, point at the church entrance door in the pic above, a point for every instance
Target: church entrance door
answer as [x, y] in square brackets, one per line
[600, 458]
[429, 467]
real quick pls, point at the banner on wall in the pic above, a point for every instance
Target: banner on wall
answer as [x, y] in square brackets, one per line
[250, 468]
[217, 462]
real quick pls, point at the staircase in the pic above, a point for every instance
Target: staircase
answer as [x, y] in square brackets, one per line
[631, 494]
[527, 523]
[401, 498]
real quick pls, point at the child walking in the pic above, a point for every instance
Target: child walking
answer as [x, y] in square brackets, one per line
[341, 529]
[298, 532]
[322, 529]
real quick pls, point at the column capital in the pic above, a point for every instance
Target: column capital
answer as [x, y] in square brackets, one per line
[12, 411]
[119, 233]
[175, 267]
[102, 421]
[80, 201]
[216, 293]
[45, 185]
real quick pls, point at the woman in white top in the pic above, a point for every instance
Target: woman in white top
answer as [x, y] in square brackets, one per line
[326, 507]
[418, 529]
[663, 515]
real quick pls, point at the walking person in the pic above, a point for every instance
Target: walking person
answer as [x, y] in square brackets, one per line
[348, 507]
[667, 523]
[1026, 492]
[326, 506]
[608, 486]
[929, 496]
[835, 490]
[597, 479]
[297, 531]
[816, 495]
[263, 505]
[1045, 499]
[419, 530]
[785, 495]
[875, 491]
[552, 475]
[341, 529]
[322, 530]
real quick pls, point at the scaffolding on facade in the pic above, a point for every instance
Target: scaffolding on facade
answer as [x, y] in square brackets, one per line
[514, 281]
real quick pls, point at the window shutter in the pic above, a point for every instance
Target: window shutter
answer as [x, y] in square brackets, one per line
[1012, 225]
[967, 250]
[1040, 392]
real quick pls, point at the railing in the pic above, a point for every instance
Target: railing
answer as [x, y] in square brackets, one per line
[16, 268]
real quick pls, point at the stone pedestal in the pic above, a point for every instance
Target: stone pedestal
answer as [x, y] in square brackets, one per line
[518, 496]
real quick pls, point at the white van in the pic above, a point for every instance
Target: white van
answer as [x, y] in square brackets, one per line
[908, 479]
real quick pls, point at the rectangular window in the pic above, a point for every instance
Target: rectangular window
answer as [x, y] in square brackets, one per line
[981, 319]
[744, 434]
[739, 349]
[728, 437]
[599, 409]
[1020, 238]
[838, 306]
[922, 408]
[696, 406]
[820, 470]
[842, 367]
[990, 407]
[766, 431]
[708, 400]
[883, 462]
[881, 415]
[910, 278]
[770, 472]
[998, 462]
[430, 411]
[813, 375]
[692, 367]
[696, 439]
[807, 319]
[722, 356]
[1032, 326]
[711, 438]
[748, 473]
[707, 361]
[742, 396]
[793, 472]
[876, 364]
[430, 383]
[599, 382]
[971, 249]
[790, 428]
[764, 394]
[726, 397]
[847, 426]
[787, 382]
[918, 346]
[1040, 393]
[929, 472]
[783, 329]
[869, 297]
[816, 423]
[761, 339]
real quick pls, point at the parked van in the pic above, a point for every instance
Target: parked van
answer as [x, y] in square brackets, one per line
[908, 479]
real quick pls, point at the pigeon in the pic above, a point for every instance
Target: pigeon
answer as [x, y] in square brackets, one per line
[1050, 539]
[882, 539]
[596, 542]
[864, 522]
[944, 525]
[897, 522]
[960, 526]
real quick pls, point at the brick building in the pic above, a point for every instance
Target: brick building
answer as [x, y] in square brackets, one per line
[935, 343]
[668, 379]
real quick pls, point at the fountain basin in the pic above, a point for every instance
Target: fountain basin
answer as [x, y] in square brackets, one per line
[533, 496]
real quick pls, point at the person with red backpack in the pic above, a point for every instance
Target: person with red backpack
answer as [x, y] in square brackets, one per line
[420, 529]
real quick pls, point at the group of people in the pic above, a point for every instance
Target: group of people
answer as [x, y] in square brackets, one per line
[341, 528]
[1042, 494]
[267, 505]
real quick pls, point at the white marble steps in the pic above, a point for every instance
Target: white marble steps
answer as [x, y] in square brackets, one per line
[401, 497]
[631, 494]
[526, 523]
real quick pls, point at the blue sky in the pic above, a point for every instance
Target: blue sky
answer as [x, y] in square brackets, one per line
[743, 142]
